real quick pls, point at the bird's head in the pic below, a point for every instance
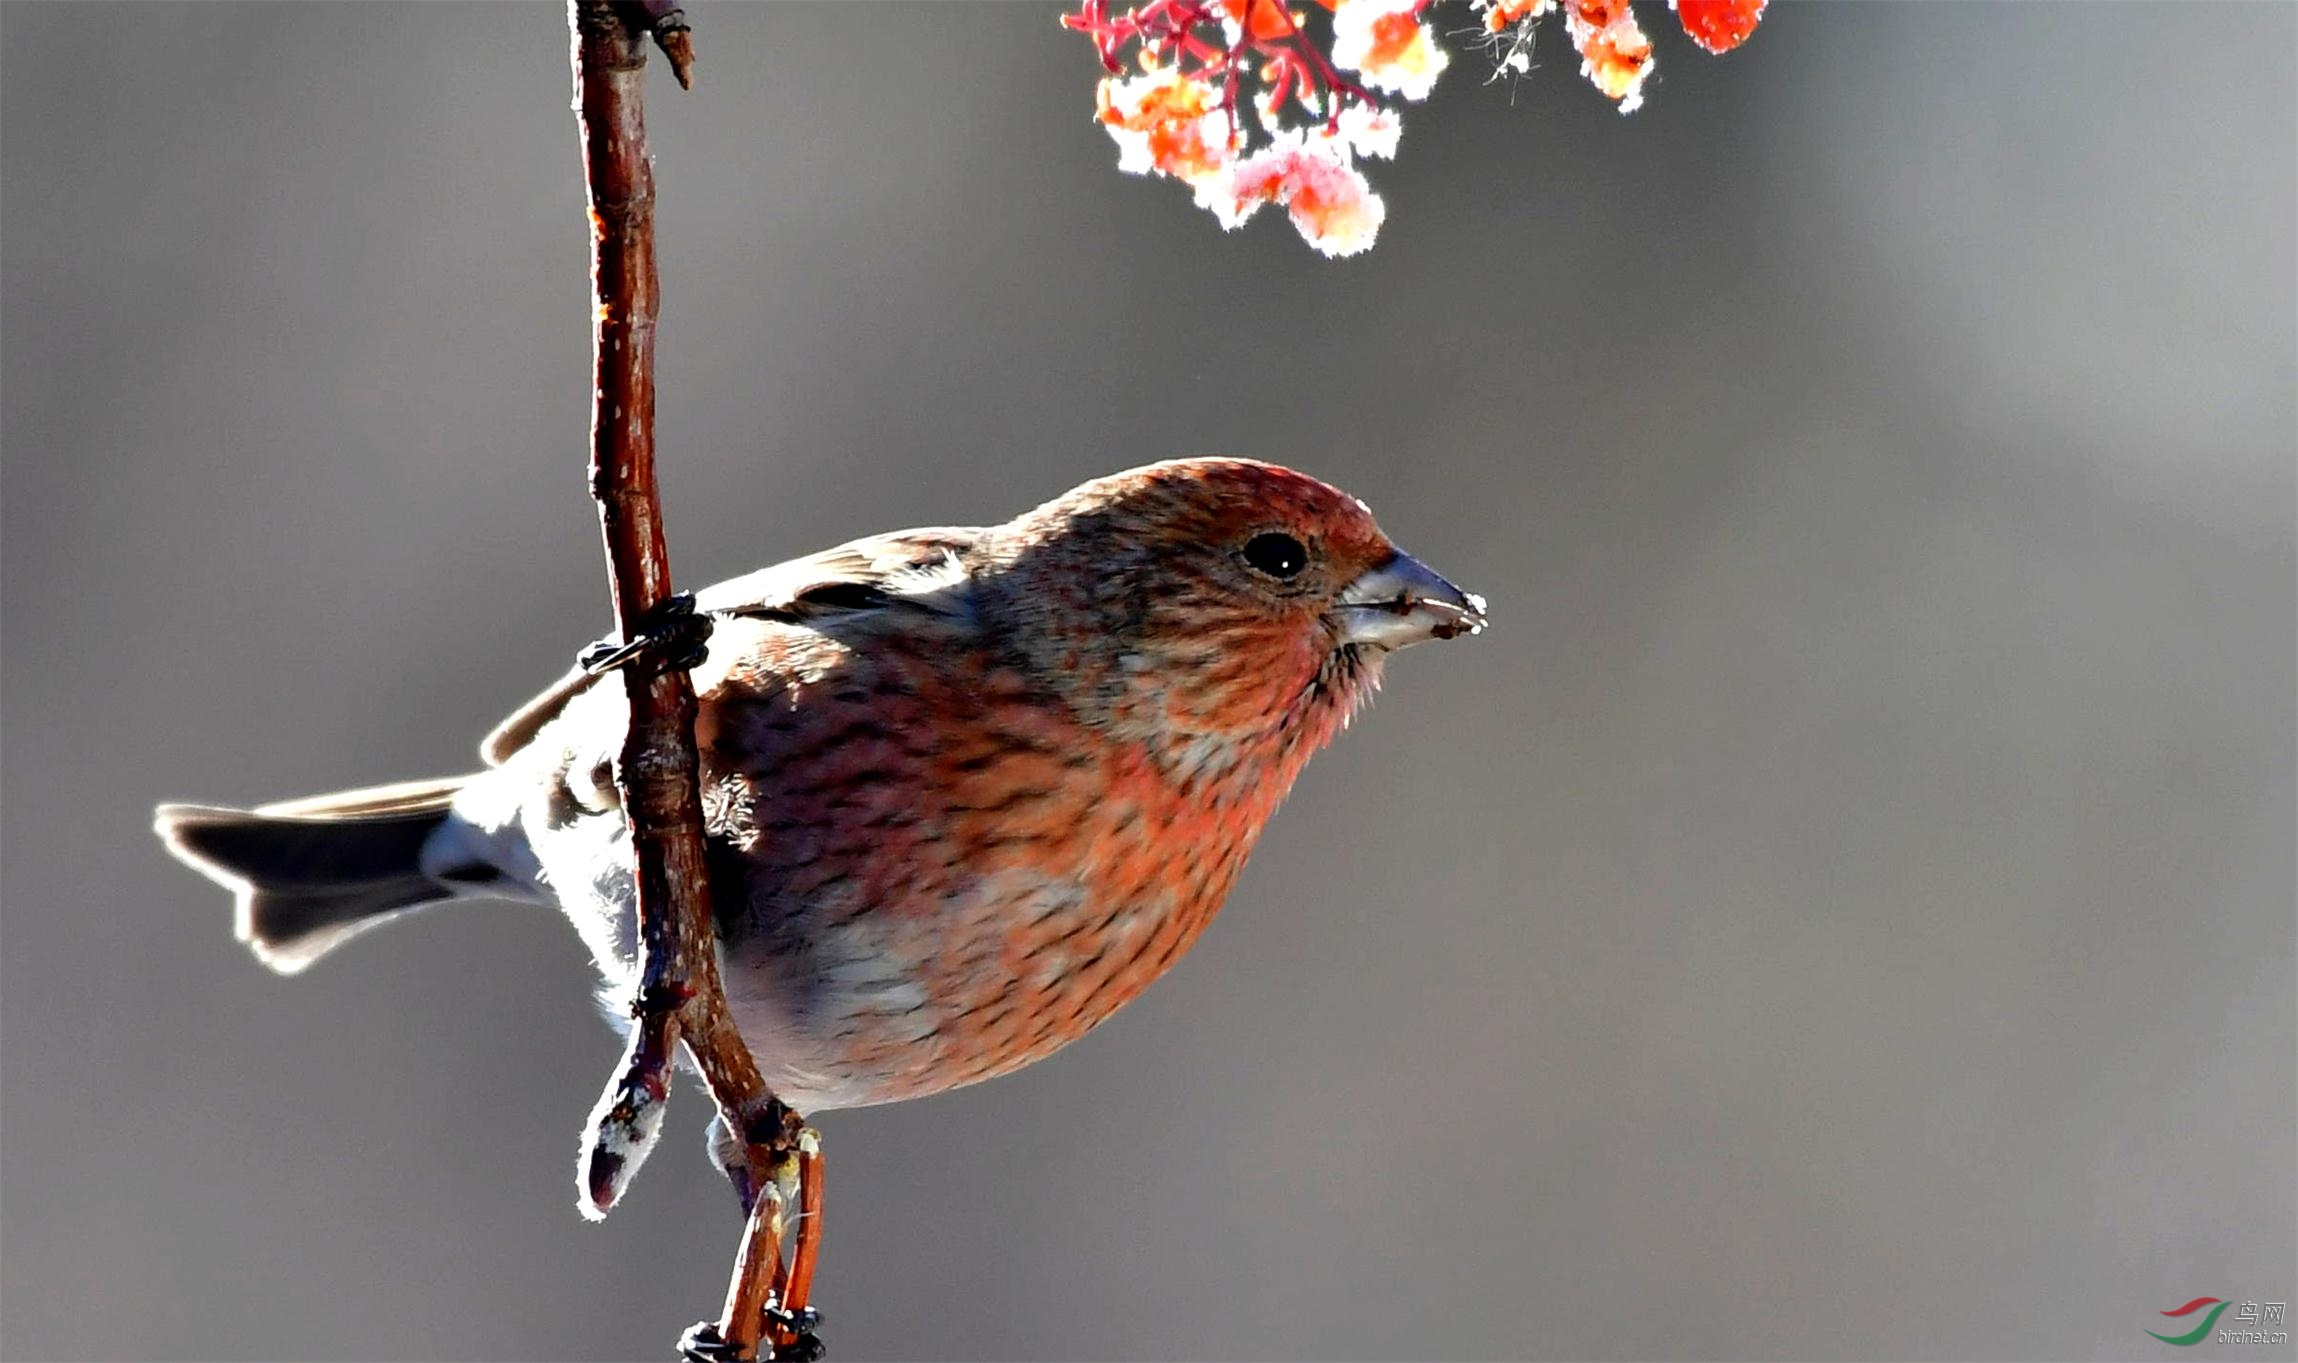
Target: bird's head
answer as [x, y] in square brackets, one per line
[1214, 608]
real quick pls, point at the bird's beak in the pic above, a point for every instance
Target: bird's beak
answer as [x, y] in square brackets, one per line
[1404, 602]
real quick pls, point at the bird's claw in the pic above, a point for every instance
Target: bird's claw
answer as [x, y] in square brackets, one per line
[703, 1344]
[791, 1338]
[796, 1331]
[673, 638]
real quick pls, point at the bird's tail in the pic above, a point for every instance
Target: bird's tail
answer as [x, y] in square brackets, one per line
[310, 873]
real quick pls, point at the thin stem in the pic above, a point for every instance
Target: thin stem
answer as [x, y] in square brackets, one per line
[658, 768]
[680, 999]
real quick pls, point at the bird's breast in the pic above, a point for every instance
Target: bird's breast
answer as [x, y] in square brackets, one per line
[930, 877]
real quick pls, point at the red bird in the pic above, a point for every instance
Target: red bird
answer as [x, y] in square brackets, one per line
[967, 791]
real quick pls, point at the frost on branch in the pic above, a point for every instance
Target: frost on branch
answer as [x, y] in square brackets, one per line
[1245, 103]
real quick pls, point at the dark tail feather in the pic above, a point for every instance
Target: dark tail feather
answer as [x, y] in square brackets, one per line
[310, 873]
[291, 929]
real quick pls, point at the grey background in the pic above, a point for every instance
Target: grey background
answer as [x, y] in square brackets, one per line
[1844, 908]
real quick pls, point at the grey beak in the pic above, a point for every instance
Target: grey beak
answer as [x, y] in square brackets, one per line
[1404, 602]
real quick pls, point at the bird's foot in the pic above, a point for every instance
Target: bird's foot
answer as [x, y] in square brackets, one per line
[673, 638]
[793, 1334]
[791, 1337]
[703, 1344]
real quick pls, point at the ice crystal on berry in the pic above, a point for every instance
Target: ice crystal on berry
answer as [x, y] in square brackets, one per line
[1718, 25]
[1313, 176]
[1615, 55]
[1386, 42]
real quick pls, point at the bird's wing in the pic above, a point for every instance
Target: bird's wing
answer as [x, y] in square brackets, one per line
[910, 568]
[905, 568]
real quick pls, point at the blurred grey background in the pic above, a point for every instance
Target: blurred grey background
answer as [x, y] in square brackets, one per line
[1843, 909]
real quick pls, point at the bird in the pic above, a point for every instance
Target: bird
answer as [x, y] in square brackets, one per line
[967, 791]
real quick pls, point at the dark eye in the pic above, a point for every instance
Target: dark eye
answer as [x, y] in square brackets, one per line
[1276, 554]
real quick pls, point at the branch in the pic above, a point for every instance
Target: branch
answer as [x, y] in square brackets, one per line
[679, 998]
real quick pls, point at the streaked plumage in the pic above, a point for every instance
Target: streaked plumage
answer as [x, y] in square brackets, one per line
[968, 791]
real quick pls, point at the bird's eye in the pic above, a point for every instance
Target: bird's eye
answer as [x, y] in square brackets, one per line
[1278, 555]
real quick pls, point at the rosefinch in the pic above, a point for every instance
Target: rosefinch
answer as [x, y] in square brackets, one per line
[967, 791]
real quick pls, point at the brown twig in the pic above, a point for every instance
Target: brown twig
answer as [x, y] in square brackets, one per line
[758, 1267]
[679, 998]
[803, 1254]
